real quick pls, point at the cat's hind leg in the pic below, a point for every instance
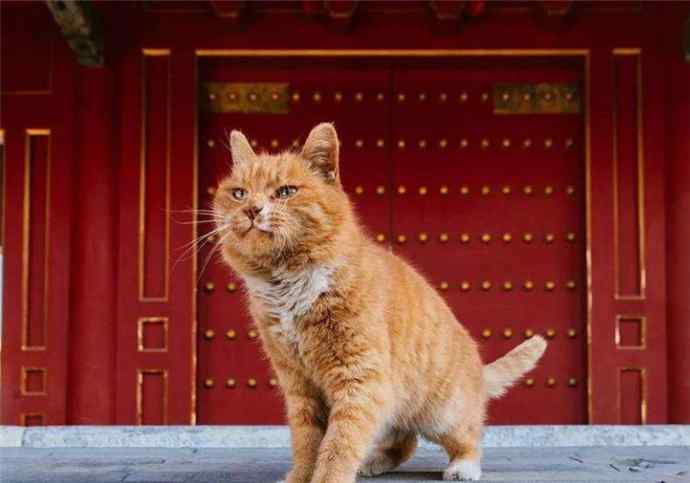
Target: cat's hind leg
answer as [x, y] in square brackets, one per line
[462, 444]
[391, 451]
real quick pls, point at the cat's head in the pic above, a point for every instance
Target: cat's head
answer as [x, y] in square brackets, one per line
[274, 205]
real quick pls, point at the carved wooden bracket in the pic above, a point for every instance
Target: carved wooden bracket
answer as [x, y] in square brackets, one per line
[82, 28]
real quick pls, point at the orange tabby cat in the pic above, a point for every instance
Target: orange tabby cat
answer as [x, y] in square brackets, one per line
[367, 354]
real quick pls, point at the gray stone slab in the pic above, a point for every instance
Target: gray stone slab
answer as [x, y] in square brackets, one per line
[278, 436]
[11, 436]
[562, 465]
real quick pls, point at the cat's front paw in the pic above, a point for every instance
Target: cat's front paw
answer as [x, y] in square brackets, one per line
[463, 470]
[376, 466]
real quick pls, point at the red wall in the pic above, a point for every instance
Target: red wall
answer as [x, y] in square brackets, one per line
[84, 114]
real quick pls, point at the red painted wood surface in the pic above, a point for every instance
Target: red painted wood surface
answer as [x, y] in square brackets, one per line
[93, 312]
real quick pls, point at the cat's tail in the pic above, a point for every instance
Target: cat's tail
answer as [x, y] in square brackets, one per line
[505, 371]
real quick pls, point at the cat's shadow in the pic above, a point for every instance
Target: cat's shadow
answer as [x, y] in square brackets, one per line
[406, 476]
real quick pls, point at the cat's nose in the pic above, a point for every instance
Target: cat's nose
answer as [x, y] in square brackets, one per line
[253, 211]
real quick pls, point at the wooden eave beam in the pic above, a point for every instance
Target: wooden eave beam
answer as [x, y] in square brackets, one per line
[82, 28]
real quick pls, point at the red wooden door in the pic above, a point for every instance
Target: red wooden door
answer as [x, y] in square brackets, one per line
[489, 203]
[490, 206]
[235, 384]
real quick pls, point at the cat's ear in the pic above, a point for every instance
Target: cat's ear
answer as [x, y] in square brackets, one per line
[321, 151]
[240, 149]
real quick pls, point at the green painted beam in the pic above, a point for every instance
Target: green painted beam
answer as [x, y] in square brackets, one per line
[82, 28]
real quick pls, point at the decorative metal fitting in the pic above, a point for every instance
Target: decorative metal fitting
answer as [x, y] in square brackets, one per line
[443, 286]
[254, 143]
[549, 285]
[570, 284]
[507, 286]
[572, 333]
[211, 143]
[209, 334]
[528, 285]
[506, 190]
[380, 96]
[230, 334]
[209, 383]
[380, 189]
[230, 383]
[569, 143]
[316, 97]
[295, 96]
[402, 190]
[272, 382]
[486, 238]
[401, 143]
[359, 189]
[443, 190]
[463, 96]
[380, 143]
[401, 97]
[402, 238]
[422, 96]
[274, 143]
[485, 143]
[423, 237]
[359, 97]
[422, 143]
[551, 382]
[548, 190]
[211, 190]
[359, 143]
[486, 333]
[231, 287]
[465, 286]
[485, 96]
[572, 382]
[527, 237]
[529, 382]
[209, 287]
[443, 143]
[486, 285]
[508, 333]
[548, 142]
[551, 333]
[507, 237]
[549, 238]
[464, 143]
[338, 96]
[570, 237]
[442, 97]
[529, 333]
[252, 334]
[423, 190]
[505, 143]
[570, 190]
[443, 237]
[464, 190]
[486, 190]
[528, 190]
[526, 143]
[251, 382]
[464, 237]
[380, 238]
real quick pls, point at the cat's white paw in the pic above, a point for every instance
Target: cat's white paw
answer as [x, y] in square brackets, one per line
[376, 466]
[464, 470]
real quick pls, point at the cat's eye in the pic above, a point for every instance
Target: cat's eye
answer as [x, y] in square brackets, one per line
[285, 192]
[239, 193]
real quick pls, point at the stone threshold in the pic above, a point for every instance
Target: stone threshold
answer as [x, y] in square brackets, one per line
[278, 436]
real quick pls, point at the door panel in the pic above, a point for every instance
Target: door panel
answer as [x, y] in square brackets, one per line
[235, 383]
[426, 160]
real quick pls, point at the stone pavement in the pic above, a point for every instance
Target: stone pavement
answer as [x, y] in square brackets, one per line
[261, 465]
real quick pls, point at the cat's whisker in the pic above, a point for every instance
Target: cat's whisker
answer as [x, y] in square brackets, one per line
[210, 254]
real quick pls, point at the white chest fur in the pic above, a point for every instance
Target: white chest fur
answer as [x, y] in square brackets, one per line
[290, 295]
